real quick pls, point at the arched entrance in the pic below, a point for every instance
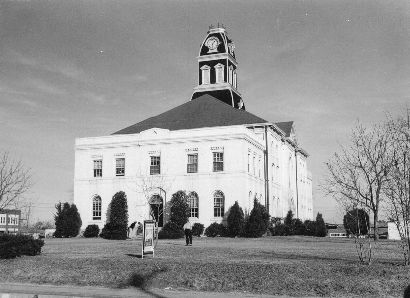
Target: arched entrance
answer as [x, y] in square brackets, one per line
[156, 205]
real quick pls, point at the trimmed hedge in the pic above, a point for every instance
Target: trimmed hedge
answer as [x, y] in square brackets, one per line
[91, 231]
[216, 229]
[12, 246]
[197, 229]
[116, 227]
[171, 230]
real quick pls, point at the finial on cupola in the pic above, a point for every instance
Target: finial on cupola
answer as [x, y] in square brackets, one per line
[217, 68]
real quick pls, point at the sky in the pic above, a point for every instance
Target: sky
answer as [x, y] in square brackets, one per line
[72, 69]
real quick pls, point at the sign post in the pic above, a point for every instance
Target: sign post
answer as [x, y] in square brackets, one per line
[148, 238]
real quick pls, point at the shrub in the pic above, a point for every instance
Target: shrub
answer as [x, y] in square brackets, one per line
[179, 208]
[310, 228]
[235, 220]
[67, 220]
[171, 231]
[91, 231]
[258, 221]
[321, 230]
[289, 224]
[12, 246]
[116, 227]
[197, 229]
[215, 229]
[356, 222]
[298, 227]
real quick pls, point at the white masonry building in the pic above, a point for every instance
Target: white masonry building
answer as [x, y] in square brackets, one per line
[210, 147]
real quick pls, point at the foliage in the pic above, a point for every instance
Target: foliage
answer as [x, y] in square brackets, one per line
[235, 220]
[197, 229]
[42, 225]
[298, 227]
[179, 211]
[15, 180]
[215, 229]
[320, 229]
[12, 246]
[258, 221]
[310, 227]
[356, 222]
[67, 220]
[171, 231]
[91, 231]
[116, 227]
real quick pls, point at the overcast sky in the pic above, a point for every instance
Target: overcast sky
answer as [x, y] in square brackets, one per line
[88, 68]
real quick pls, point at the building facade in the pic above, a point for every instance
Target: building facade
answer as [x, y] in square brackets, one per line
[9, 221]
[210, 147]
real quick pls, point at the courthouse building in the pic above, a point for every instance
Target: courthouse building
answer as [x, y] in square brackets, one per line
[210, 147]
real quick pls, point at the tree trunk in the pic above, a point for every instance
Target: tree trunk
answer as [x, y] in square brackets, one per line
[375, 226]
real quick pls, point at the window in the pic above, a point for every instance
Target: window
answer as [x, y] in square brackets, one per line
[97, 208]
[230, 75]
[219, 73]
[206, 74]
[234, 79]
[98, 168]
[193, 204]
[254, 166]
[219, 204]
[120, 166]
[192, 166]
[218, 161]
[155, 168]
[249, 157]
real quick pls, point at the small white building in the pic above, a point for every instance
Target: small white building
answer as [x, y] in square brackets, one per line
[209, 147]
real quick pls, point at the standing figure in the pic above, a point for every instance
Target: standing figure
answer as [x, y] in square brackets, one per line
[188, 233]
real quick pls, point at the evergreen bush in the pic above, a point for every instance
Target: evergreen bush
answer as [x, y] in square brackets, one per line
[321, 230]
[235, 220]
[179, 211]
[310, 228]
[298, 227]
[91, 231]
[258, 221]
[197, 229]
[171, 231]
[67, 221]
[215, 229]
[116, 227]
[12, 246]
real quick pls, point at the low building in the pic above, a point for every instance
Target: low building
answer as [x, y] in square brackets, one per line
[10, 221]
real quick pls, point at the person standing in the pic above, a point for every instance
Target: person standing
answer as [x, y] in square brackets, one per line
[188, 233]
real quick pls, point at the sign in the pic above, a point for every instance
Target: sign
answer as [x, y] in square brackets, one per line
[148, 238]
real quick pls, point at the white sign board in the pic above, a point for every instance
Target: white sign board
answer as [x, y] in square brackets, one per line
[148, 238]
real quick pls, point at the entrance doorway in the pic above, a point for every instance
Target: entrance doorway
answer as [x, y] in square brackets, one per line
[156, 204]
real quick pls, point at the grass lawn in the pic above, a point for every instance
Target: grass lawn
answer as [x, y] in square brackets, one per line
[297, 266]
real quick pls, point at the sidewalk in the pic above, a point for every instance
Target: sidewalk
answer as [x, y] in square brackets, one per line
[19, 290]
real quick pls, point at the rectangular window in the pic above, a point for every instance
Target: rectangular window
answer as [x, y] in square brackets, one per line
[120, 166]
[219, 207]
[155, 168]
[193, 207]
[192, 166]
[218, 161]
[98, 168]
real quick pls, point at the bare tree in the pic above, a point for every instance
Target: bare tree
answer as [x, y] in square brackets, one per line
[358, 173]
[398, 187]
[15, 180]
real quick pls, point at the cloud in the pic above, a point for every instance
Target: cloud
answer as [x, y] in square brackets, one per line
[42, 86]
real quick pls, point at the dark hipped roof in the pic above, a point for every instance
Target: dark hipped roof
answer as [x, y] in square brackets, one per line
[286, 127]
[205, 111]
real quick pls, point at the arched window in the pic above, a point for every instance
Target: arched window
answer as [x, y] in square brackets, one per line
[193, 203]
[96, 208]
[219, 73]
[206, 74]
[219, 204]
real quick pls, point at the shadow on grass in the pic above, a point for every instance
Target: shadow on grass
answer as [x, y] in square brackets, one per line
[141, 281]
[407, 292]
[134, 256]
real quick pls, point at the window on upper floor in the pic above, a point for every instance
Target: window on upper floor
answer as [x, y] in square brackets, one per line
[120, 166]
[219, 204]
[219, 73]
[97, 208]
[98, 168]
[193, 203]
[206, 75]
[218, 161]
[155, 167]
[192, 166]
[234, 79]
[230, 72]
